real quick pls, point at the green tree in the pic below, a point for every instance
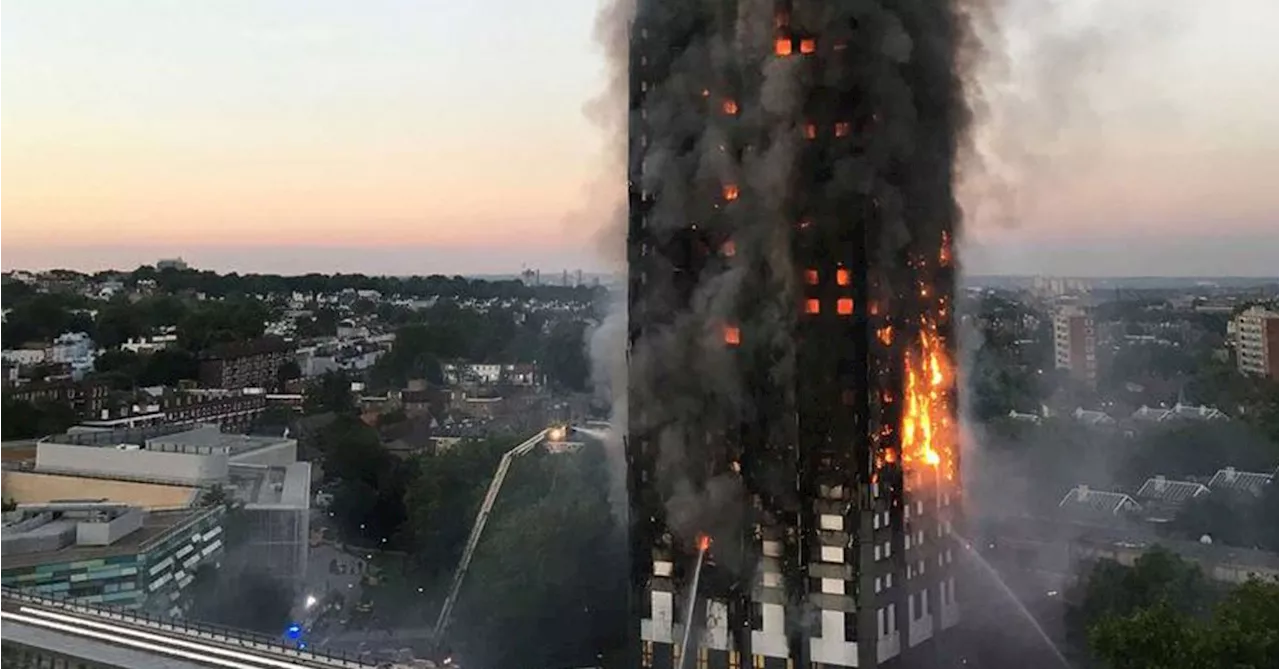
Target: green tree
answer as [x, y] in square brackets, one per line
[551, 541]
[442, 497]
[566, 357]
[331, 392]
[1112, 590]
[1156, 637]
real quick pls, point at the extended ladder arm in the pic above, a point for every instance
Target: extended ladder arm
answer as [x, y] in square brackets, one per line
[495, 486]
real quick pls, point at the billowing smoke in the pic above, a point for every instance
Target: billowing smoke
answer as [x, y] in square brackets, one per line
[1033, 88]
[717, 170]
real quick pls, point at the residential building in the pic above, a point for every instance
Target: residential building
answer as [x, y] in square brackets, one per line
[1231, 480]
[1257, 331]
[25, 357]
[1075, 344]
[249, 364]
[786, 509]
[171, 263]
[85, 398]
[1162, 498]
[232, 412]
[1083, 501]
[97, 552]
[1179, 412]
[76, 350]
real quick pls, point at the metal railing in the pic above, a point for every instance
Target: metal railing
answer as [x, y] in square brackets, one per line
[241, 639]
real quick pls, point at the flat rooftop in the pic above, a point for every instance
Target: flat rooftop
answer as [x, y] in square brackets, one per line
[154, 526]
[187, 438]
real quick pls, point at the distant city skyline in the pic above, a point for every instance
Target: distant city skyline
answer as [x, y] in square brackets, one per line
[283, 137]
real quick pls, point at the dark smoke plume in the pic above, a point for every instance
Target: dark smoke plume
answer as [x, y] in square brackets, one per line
[910, 121]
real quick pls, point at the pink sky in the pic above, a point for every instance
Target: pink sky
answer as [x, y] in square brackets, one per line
[251, 136]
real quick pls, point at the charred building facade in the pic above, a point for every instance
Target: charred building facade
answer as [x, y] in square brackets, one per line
[792, 441]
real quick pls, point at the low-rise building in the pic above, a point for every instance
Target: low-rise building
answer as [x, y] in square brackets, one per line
[84, 398]
[101, 552]
[250, 364]
[1232, 480]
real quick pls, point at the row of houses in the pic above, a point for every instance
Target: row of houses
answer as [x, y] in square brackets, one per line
[1159, 499]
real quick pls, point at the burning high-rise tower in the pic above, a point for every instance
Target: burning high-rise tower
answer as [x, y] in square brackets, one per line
[791, 404]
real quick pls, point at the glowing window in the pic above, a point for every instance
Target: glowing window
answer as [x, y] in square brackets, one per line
[730, 107]
[843, 128]
[730, 192]
[812, 306]
[808, 45]
[732, 336]
[782, 46]
[844, 306]
[729, 249]
[811, 277]
[842, 277]
[810, 131]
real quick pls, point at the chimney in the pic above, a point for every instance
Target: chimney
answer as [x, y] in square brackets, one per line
[1161, 483]
[1230, 474]
[1082, 491]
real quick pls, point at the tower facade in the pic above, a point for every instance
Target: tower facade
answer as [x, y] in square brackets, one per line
[791, 394]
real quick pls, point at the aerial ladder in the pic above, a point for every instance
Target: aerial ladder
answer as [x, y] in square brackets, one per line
[482, 517]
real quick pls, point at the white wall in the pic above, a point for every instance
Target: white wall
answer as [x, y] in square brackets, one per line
[282, 454]
[150, 465]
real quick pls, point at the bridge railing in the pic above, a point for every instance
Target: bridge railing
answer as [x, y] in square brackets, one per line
[229, 636]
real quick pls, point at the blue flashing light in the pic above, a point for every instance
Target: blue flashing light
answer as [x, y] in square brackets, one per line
[293, 631]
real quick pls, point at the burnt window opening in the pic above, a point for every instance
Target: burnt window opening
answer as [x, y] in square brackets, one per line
[728, 249]
[842, 277]
[811, 277]
[843, 128]
[782, 46]
[812, 306]
[732, 335]
[810, 131]
[844, 306]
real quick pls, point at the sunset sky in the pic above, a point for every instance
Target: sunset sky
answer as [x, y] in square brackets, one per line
[417, 137]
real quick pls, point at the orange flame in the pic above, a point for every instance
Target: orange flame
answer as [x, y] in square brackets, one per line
[704, 542]
[812, 306]
[842, 277]
[730, 107]
[928, 430]
[732, 335]
[944, 253]
[811, 277]
[808, 45]
[730, 192]
[844, 306]
[885, 335]
[782, 46]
